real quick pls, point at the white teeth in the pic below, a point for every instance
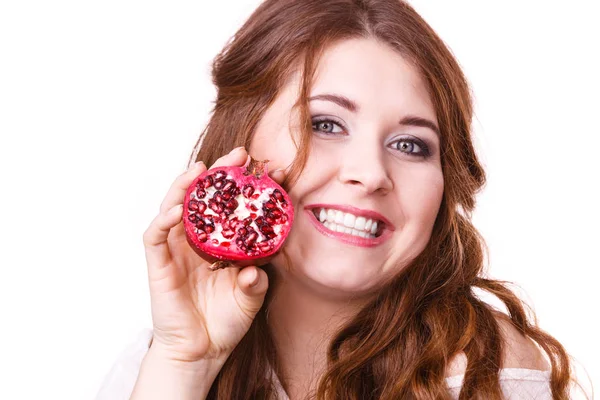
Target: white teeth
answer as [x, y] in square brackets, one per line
[374, 228]
[322, 215]
[339, 221]
[330, 215]
[349, 220]
[349, 231]
[359, 224]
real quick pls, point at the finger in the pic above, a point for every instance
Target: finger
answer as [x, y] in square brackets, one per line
[155, 237]
[177, 191]
[237, 156]
[252, 285]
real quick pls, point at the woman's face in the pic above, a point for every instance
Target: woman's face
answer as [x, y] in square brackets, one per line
[374, 169]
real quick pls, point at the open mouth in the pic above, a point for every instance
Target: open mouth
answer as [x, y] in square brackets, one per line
[348, 223]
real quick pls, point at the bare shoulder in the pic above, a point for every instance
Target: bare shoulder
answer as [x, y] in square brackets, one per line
[519, 351]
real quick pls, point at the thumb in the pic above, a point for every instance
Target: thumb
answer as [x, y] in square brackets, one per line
[252, 285]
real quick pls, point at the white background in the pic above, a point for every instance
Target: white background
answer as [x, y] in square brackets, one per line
[102, 102]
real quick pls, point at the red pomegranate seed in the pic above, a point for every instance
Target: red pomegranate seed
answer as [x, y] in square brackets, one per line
[229, 185]
[219, 184]
[251, 238]
[266, 228]
[193, 205]
[216, 207]
[269, 205]
[264, 246]
[260, 221]
[248, 191]
[276, 213]
[278, 195]
[219, 175]
[231, 204]
[226, 224]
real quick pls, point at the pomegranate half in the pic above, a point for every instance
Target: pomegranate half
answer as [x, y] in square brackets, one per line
[237, 216]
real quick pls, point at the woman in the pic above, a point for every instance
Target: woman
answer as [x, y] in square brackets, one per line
[361, 109]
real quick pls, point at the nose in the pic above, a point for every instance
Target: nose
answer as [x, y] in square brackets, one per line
[364, 168]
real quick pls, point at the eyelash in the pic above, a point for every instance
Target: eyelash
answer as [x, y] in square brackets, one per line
[425, 152]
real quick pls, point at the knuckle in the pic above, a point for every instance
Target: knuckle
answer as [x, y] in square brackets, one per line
[146, 237]
[163, 206]
[149, 234]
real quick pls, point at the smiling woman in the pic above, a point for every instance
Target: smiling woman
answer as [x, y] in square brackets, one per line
[367, 116]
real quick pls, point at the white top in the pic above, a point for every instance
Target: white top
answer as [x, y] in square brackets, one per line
[516, 383]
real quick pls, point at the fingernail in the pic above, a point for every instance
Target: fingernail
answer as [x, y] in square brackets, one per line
[254, 280]
[198, 164]
[237, 149]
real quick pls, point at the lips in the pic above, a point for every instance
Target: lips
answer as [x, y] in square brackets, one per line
[350, 224]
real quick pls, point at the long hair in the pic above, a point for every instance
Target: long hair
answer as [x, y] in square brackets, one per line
[399, 345]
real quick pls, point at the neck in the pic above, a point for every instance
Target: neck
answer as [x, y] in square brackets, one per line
[303, 322]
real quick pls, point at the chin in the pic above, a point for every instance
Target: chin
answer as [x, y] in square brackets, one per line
[335, 278]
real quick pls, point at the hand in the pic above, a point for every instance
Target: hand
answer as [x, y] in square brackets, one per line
[197, 313]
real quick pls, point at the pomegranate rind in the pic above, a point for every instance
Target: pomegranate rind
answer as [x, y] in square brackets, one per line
[234, 254]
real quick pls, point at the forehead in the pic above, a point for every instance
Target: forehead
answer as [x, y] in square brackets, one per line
[374, 75]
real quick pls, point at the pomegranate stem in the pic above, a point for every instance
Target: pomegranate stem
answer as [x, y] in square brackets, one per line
[256, 167]
[219, 265]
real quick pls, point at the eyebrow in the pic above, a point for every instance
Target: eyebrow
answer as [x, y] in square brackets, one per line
[342, 101]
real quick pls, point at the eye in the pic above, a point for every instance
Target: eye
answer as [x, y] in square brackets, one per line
[410, 146]
[326, 125]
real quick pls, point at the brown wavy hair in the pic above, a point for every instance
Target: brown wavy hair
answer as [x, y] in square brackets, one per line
[399, 346]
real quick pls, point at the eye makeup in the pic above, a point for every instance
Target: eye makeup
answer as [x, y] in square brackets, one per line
[397, 144]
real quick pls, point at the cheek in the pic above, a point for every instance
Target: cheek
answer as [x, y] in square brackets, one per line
[275, 146]
[273, 139]
[421, 198]
[316, 179]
